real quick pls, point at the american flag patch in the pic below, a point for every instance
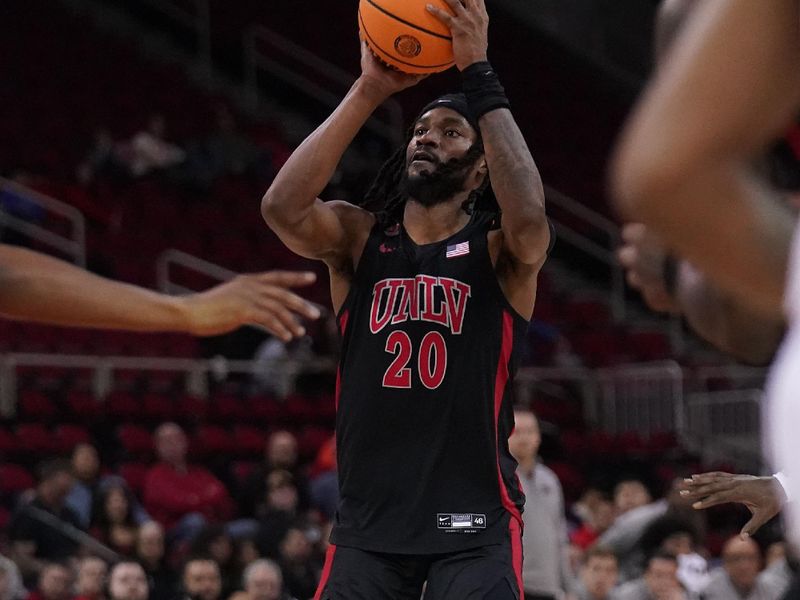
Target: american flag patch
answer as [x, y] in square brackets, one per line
[457, 250]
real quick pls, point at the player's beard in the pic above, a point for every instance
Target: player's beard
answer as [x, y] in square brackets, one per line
[441, 183]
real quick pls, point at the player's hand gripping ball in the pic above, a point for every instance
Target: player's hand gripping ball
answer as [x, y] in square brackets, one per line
[404, 35]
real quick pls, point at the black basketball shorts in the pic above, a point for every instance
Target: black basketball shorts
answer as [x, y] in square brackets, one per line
[491, 572]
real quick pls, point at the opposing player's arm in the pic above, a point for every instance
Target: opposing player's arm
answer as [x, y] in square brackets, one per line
[714, 314]
[724, 321]
[728, 87]
[307, 225]
[37, 287]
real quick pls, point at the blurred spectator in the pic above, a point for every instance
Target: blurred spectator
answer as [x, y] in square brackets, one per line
[598, 575]
[739, 577]
[324, 485]
[635, 512]
[10, 580]
[692, 567]
[630, 494]
[660, 581]
[34, 542]
[55, 583]
[86, 471]
[280, 453]
[102, 160]
[280, 512]
[300, 571]
[149, 151]
[277, 364]
[228, 150]
[150, 552]
[92, 572]
[201, 580]
[113, 522]
[127, 581]
[179, 496]
[263, 581]
[545, 573]
[600, 516]
[214, 542]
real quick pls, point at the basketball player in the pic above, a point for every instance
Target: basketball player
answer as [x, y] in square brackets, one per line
[433, 291]
[37, 287]
[729, 87]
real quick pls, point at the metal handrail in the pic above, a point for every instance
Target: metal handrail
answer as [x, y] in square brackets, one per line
[389, 126]
[604, 254]
[177, 257]
[74, 246]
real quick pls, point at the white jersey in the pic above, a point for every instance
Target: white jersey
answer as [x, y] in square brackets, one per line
[782, 440]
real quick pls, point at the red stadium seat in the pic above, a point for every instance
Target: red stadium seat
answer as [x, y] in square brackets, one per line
[134, 474]
[248, 440]
[191, 408]
[36, 406]
[82, 406]
[227, 409]
[8, 443]
[213, 440]
[123, 406]
[36, 439]
[69, 436]
[14, 479]
[157, 408]
[135, 440]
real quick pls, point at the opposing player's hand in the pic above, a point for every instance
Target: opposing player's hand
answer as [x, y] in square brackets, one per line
[642, 255]
[260, 299]
[763, 496]
[382, 79]
[469, 27]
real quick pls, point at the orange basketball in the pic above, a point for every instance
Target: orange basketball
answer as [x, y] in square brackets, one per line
[404, 35]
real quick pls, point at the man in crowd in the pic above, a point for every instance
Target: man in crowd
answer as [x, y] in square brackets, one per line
[598, 576]
[263, 580]
[92, 573]
[740, 576]
[544, 538]
[33, 543]
[127, 581]
[180, 496]
[55, 583]
[660, 581]
[201, 580]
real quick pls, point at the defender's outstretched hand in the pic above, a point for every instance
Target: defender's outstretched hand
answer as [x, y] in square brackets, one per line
[763, 496]
[260, 299]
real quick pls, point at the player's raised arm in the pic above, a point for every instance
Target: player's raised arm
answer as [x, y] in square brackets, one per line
[683, 163]
[37, 287]
[307, 225]
[515, 178]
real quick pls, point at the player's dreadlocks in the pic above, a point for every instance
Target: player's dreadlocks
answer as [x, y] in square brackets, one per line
[385, 196]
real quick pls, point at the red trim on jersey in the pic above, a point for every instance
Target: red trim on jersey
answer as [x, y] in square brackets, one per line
[326, 571]
[342, 329]
[500, 382]
[516, 552]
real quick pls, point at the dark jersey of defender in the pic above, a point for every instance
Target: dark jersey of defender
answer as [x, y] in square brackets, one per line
[429, 348]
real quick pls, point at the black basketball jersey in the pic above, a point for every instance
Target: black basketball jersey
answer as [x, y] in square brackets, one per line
[429, 348]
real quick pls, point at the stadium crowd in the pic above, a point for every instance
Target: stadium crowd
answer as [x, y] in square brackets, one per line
[82, 533]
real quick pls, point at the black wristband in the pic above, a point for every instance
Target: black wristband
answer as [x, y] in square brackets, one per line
[483, 89]
[670, 274]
